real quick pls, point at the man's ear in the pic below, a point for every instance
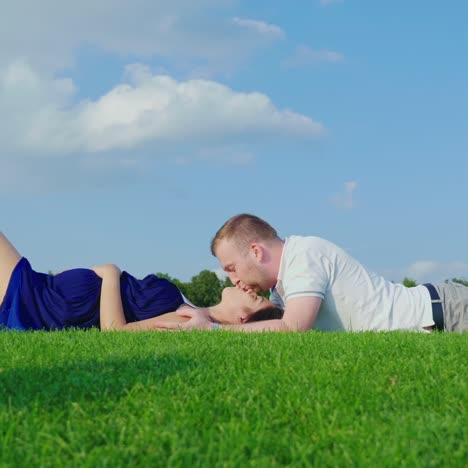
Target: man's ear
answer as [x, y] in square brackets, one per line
[257, 250]
[244, 318]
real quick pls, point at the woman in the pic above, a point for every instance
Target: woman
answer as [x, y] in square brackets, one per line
[30, 300]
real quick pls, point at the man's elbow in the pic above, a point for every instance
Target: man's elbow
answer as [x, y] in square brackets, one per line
[291, 326]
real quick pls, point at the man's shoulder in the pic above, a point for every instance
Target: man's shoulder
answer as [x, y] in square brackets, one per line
[310, 250]
[308, 242]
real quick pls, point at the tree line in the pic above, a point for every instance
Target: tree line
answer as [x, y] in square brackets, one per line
[203, 290]
[411, 283]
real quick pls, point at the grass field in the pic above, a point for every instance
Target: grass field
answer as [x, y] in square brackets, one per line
[82, 398]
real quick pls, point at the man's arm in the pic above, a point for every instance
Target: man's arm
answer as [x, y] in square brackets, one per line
[299, 315]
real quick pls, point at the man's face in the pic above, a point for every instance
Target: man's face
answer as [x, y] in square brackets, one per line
[244, 268]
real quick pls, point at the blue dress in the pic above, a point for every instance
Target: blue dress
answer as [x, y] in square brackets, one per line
[37, 301]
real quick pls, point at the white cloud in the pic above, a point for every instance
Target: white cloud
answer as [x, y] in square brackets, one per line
[43, 119]
[422, 268]
[304, 55]
[48, 33]
[260, 27]
[345, 199]
[51, 135]
[146, 108]
[429, 270]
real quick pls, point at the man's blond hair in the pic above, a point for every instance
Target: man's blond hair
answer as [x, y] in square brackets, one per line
[244, 229]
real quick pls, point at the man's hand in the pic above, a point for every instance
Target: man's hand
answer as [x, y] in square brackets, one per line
[198, 321]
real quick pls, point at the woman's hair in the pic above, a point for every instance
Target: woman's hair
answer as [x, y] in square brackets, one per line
[269, 313]
[244, 229]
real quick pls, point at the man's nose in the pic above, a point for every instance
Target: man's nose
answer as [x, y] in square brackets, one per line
[234, 279]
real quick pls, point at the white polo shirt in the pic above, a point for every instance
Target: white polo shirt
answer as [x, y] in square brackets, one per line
[353, 298]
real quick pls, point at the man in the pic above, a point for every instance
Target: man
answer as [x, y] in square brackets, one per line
[320, 286]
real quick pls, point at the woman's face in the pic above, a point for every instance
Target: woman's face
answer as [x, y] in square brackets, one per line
[239, 306]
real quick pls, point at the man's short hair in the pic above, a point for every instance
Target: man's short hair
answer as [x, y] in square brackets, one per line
[244, 229]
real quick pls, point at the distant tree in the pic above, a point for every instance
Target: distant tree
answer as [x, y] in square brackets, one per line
[227, 283]
[458, 280]
[409, 283]
[205, 289]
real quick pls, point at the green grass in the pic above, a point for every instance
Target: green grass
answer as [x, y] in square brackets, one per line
[82, 398]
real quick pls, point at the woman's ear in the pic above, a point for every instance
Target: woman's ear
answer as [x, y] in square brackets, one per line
[244, 317]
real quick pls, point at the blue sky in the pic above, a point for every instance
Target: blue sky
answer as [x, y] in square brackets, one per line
[132, 130]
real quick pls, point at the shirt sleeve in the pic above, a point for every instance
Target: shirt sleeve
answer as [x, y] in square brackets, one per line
[307, 274]
[276, 299]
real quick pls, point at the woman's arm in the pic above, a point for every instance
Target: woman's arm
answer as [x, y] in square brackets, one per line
[112, 316]
[152, 323]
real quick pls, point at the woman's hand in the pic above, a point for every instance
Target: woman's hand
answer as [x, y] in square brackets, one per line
[198, 319]
[107, 270]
